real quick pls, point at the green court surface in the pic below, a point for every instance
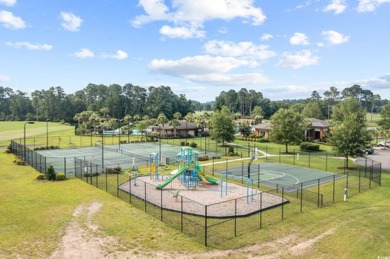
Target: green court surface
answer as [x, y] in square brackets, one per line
[123, 155]
[275, 174]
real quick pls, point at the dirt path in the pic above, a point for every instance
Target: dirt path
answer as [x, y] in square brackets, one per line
[82, 239]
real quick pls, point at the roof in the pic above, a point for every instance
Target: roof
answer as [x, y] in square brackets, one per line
[317, 123]
[183, 126]
[263, 126]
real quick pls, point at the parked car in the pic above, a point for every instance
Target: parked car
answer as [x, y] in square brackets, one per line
[368, 150]
[383, 144]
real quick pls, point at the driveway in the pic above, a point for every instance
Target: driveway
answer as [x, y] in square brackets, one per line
[381, 155]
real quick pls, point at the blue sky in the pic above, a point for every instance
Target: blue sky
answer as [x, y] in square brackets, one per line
[284, 49]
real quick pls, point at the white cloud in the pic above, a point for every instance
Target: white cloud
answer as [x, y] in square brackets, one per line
[230, 79]
[10, 21]
[370, 5]
[208, 69]
[336, 6]
[377, 83]
[155, 10]
[70, 21]
[4, 78]
[244, 49]
[84, 53]
[8, 2]
[192, 14]
[334, 37]
[298, 59]
[196, 65]
[299, 39]
[181, 32]
[119, 54]
[29, 46]
[266, 37]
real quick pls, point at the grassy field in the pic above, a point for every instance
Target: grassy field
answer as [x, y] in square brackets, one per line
[33, 216]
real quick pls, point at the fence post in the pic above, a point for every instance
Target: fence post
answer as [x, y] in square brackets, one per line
[294, 157]
[226, 166]
[213, 165]
[181, 214]
[258, 175]
[145, 196]
[235, 217]
[161, 207]
[130, 189]
[261, 211]
[301, 197]
[326, 162]
[359, 180]
[334, 185]
[205, 225]
[105, 171]
[279, 156]
[282, 203]
[266, 153]
[318, 197]
[242, 172]
[65, 166]
[309, 159]
[117, 184]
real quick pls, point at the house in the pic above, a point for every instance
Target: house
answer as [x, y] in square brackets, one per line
[263, 129]
[316, 131]
[184, 129]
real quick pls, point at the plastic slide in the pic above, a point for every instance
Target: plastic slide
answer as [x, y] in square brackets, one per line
[209, 179]
[171, 178]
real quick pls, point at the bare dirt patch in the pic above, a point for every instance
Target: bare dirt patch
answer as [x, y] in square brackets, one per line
[82, 239]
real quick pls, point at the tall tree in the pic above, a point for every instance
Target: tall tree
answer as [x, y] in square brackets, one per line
[312, 110]
[287, 127]
[385, 120]
[349, 133]
[162, 119]
[223, 126]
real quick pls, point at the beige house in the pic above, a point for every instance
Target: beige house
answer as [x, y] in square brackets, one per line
[315, 132]
[184, 129]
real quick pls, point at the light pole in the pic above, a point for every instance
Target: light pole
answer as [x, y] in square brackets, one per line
[159, 144]
[128, 131]
[47, 133]
[119, 134]
[24, 138]
[102, 151]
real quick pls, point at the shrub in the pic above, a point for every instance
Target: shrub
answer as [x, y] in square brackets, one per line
[182, 143]
[308, 146]
[18, 161]
[60, 177]
[193, 144]
[231, 150]
[116, 170]
[41, 177]
[203, 158]
[50, 174]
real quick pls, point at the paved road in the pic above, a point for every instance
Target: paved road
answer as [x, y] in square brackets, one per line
[383, 156]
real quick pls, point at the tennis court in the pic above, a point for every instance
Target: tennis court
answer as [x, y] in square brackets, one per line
[276, 174]
[123, 155]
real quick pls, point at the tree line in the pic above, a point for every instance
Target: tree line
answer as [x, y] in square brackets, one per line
[132, 100]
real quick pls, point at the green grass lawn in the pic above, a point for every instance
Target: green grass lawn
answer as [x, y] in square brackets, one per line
[33, 215]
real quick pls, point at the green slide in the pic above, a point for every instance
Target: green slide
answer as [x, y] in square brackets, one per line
[209, 179]
[171, 178]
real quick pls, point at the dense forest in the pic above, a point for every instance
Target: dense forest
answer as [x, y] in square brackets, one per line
[55, 105]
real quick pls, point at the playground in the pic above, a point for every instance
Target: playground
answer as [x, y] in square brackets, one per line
[189, 190]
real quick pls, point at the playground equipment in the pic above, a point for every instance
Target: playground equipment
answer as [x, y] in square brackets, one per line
[188, 175]
[153, 166]
[248, 182]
